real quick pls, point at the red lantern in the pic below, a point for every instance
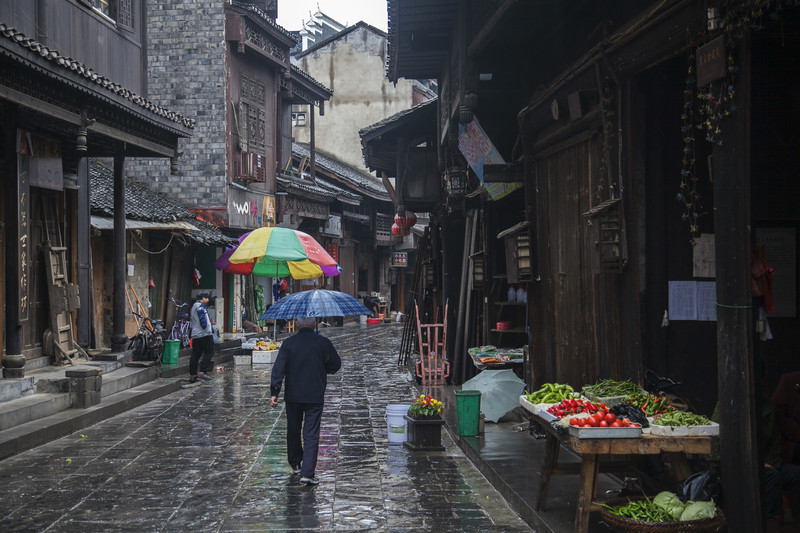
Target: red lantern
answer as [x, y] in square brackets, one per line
[406, 230]
[397, 229]
[411, 219]
[399, 219]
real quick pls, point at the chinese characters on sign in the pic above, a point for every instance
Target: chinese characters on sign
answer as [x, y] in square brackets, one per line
[333, 251]
[400, 259]
[23, 213]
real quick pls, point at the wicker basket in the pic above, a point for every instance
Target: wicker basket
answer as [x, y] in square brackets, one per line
[620, 523]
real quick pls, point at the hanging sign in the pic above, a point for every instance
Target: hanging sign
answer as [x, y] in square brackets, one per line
[400, 259]
[711, 62]
[478, 150]
[45, 167]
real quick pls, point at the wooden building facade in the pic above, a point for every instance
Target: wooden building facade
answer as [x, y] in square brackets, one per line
[61, 103]
[653, 147]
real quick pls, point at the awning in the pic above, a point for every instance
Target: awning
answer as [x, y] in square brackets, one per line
[199, 231]
[103, 223]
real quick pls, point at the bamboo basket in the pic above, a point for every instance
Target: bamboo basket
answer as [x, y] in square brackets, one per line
[622, 524]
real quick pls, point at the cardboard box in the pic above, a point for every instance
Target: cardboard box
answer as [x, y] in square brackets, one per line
[262, 357]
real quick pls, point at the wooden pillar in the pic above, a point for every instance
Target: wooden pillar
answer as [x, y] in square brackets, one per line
[119, 340]
[84, 255]
[735, 378]
[15, 190]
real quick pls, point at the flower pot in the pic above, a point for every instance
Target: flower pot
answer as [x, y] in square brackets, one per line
[424, 434]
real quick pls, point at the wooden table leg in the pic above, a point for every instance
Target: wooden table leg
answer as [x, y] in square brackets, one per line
[590, 468]
[550, 461]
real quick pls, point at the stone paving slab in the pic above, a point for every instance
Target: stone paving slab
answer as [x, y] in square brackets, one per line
[212, 458]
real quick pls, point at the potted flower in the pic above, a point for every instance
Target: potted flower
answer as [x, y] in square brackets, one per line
[425, 423]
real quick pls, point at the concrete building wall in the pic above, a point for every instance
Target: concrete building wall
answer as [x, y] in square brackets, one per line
[353, 67]
[186, 74]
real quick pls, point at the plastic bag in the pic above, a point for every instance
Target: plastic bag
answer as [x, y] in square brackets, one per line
[701, 487]
[631, 412]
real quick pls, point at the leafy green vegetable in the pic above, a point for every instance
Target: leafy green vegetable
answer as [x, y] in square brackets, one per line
[681, 418]
[699, 510]
[670, 503]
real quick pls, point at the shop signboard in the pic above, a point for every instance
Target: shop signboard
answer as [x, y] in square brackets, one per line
[333, 226]
[400, 259]
[45, 166]
[245, 208]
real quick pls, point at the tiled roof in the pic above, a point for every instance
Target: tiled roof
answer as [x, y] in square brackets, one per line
[339, 35]
[306, 188]
[364, 183]
[305, 75]
[144, 204]
[395, 119]
[265, 17]
[69, 64]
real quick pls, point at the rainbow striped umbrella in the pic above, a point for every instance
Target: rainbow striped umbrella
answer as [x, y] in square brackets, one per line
[282, 252]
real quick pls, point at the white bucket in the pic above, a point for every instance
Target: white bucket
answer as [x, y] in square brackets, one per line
[362, 319]
[396, 424]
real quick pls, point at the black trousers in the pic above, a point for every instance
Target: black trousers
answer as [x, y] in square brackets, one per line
[201, 346]
[305, 418]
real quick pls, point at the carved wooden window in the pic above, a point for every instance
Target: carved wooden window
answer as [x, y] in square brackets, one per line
[252, 116]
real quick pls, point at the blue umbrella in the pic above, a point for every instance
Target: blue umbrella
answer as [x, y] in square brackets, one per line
[315, 303]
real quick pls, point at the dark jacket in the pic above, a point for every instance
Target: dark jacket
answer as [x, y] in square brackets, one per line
[304, 361]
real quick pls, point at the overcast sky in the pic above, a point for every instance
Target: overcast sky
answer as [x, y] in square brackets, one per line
[292, 13]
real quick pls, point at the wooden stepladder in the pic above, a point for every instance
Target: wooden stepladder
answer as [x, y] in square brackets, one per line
[63, 300]
[432, 366]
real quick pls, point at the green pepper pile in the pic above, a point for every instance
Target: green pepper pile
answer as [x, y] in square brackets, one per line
[644, 510]
[649, 403]
[681, 418]
[551, 393]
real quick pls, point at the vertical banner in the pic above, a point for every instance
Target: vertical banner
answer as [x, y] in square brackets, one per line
[24, 153]
[268, 212]
[333, 250]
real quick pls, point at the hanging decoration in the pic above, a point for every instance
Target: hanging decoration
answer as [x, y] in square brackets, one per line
[705, 108]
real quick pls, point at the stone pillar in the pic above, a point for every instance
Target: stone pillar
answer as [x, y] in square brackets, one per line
[84, 387]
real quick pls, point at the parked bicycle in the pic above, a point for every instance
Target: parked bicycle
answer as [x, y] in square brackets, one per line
[148, 343]
[181, 328]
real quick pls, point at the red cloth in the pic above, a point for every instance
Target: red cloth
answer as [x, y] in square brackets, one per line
[761, 274]
[786, 400]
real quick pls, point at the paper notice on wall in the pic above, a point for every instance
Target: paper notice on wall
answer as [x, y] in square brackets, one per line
[683, 300]
[707, 300]
[693, 300]
[703, 260]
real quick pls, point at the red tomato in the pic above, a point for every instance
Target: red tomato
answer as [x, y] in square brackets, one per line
[616, 424]
[603, 424]
[595, 420]
[610, 417]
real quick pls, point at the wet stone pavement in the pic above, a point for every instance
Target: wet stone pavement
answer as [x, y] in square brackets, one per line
[211, 457]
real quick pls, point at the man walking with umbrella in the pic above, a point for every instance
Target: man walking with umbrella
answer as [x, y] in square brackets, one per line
[304, 362]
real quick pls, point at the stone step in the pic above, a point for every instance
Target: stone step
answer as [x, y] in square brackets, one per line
[37, 432]
[13, 388]
[24, 421]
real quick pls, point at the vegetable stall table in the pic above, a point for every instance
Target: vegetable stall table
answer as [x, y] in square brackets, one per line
[589, 451]
[492, 357]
